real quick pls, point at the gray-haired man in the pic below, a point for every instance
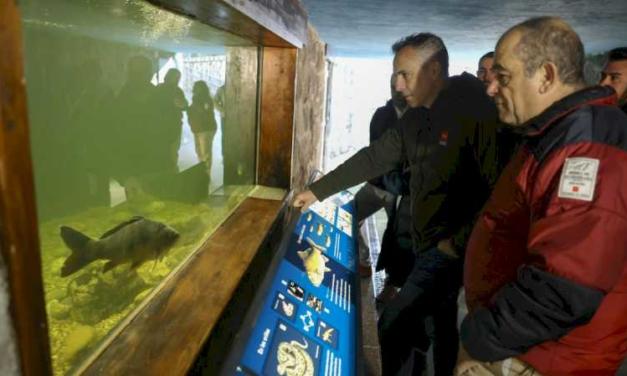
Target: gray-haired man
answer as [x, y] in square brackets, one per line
[447, 138]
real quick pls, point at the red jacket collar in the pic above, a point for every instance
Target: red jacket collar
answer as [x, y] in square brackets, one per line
[595, 95]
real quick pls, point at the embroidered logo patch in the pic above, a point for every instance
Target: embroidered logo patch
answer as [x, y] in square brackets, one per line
[579, 178]
[443, 138]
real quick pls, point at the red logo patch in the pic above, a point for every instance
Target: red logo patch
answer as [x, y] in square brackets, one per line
[575, 189]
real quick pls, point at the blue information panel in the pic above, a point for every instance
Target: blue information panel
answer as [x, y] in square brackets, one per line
[308, 324]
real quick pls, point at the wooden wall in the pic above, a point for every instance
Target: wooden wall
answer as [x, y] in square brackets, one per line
[239, 132]
[276, 121]
[18, 220]
[277, 23]
[292, 113]
[286, 18]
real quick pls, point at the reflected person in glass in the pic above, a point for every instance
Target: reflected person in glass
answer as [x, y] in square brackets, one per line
[202, 122]
[136, 114]
[173, 103]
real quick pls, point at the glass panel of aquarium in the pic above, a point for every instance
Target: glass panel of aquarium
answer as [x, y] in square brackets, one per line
[143, 133]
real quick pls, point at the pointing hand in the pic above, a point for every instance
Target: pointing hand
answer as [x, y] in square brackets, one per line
[304, 199]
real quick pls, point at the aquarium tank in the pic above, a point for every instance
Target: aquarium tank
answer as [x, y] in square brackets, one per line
[143, 136]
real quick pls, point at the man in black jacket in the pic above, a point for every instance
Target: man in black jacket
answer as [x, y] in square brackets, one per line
[447, 138]
[380, 192]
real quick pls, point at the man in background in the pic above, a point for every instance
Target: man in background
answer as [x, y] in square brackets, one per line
[506, 139]
[614, 74]
[382, 191]
[484, 69]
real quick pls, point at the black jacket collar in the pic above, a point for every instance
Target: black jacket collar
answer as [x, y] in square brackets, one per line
[599, 95]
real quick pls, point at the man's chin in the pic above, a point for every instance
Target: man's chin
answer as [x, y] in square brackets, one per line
[509, 122]
[412, 103]
[508, 119]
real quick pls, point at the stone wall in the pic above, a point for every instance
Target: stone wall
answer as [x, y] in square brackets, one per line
[8, 358]
[309, 109]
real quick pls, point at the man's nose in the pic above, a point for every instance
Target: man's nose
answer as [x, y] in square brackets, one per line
[492, 88]
[605, 81]
[399, 84]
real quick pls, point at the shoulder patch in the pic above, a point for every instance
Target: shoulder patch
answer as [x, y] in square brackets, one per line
[579, 178]
[443, 138]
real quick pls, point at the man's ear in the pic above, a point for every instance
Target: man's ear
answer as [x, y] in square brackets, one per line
[548, 77]
[434, 68]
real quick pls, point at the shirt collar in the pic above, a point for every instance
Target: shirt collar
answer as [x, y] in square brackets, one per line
[595, 95]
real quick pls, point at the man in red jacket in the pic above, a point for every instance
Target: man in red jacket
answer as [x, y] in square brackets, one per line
[546, 271]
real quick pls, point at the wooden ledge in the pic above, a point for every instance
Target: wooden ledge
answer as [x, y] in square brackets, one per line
[166, 336]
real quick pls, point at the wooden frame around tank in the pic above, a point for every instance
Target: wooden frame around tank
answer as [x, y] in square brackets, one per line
[19, 240]
[281, 25]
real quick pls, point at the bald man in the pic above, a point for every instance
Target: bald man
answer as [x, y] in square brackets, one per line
[546, 272]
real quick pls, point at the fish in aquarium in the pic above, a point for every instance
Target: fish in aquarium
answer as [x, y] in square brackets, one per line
[134, 241]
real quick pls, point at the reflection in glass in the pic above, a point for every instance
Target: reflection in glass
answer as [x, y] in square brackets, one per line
[202, 121]
[142, 128]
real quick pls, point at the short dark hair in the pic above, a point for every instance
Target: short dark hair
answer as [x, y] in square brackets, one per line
[425, 40]
[617, 54]
[487, 55]
[550, 39]
[171, 75]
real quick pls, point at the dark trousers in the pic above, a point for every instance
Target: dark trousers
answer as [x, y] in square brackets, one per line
[368, 200]
[430, 290]
[397, 256]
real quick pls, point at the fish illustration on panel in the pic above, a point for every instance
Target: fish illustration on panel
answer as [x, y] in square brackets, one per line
[135, 241]
[315, 263]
